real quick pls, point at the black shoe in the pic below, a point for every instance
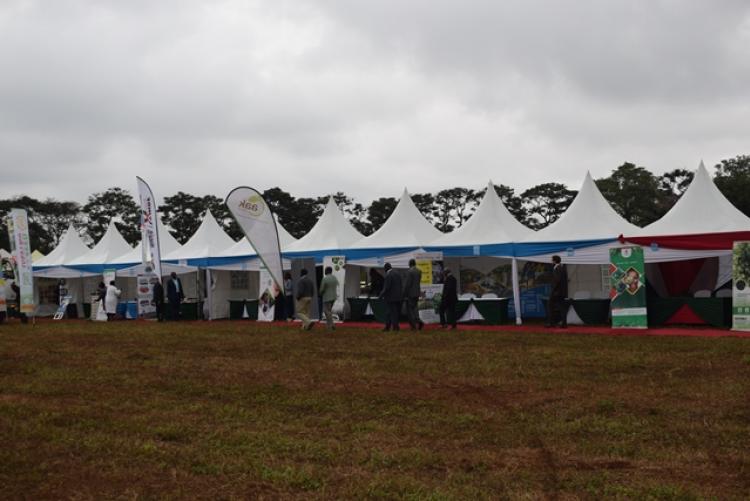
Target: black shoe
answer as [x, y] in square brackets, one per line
[421, 325]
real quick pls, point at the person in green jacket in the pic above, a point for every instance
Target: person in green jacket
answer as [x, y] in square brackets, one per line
[328, 292]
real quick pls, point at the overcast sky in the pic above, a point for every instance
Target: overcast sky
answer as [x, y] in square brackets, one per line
[364, 97]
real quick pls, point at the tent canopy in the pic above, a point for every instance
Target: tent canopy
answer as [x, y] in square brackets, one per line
[208, 241]
[589, 221]
[491, 225]
[331, 233]
[702, 218]
[70, 248]
[405, 229]
[111, 246]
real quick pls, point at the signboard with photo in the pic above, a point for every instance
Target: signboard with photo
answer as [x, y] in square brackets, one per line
[627, 279]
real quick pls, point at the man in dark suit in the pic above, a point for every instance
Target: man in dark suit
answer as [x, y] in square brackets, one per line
[175, 295]
[412, 291]
[393, 294]
[449, 300]
[159, 301]
[557, 311]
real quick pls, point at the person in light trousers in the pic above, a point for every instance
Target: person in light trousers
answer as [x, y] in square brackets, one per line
[329, 293]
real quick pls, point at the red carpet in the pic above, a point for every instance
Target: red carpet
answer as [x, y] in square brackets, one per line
[572, 329]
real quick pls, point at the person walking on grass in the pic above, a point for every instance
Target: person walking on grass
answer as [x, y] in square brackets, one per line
[393, 294]
[329, 293]
[412, 291]
[305, 290]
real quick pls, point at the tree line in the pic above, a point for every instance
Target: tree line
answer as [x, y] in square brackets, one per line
[637, 194]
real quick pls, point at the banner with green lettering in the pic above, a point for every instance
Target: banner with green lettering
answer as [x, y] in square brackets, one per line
[741, 286]
[627, 292]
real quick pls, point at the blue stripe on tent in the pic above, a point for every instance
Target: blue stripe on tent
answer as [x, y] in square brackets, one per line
[540, 248]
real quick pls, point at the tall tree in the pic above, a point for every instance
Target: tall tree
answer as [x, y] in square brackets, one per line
[513, 203]
[114, 204]
[672, 185]
[379, 211]
[453, 207]
[545, 203]
[733, 179]
[354, 212]
[634, 193]
[425, 202]
[183, 213]
[48, 220]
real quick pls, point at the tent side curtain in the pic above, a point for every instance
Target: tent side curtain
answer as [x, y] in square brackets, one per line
[704, 241]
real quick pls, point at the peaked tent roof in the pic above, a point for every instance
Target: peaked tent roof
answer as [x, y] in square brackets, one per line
[701, 209]
[589, 218]
[68, 249]
[405, 228]
[167, 244]
[331, 231]
[111, 246]
[491, 223]
[243, 248]
[702, 219]
[208, 241]
[36, 255]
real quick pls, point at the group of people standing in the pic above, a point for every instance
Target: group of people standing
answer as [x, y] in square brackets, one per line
[109, 296]
[395, 292]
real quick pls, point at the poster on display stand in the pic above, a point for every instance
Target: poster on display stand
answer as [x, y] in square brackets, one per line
[627, 293]
[431, 285]
[145, 295]
[338, 264]
[267, 292]
[741, 286]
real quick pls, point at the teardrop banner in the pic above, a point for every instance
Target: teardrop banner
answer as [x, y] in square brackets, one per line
[256, 220]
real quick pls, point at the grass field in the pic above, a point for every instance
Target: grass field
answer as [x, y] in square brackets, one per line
[237, 410]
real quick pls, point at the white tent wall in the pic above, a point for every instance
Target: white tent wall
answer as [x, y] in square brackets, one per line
[228, 286]
[588, 278]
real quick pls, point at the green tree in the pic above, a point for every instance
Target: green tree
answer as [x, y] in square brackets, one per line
[114, 204]
[733, 179]
[454, 206]
[354, 212]
[48, 220]
[183, 213]
[513, 203]
[545, 203]
[634, 193]
[379, 211]
[672, 185]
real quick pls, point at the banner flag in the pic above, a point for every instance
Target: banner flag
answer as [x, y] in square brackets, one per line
[627, 292]
[741, 286]
[151, 252]
[18, 233]
[259, 226]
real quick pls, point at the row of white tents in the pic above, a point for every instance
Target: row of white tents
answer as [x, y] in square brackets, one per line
[583, 235]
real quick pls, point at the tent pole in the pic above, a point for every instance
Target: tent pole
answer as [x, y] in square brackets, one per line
[516, 291]
[209, 294]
